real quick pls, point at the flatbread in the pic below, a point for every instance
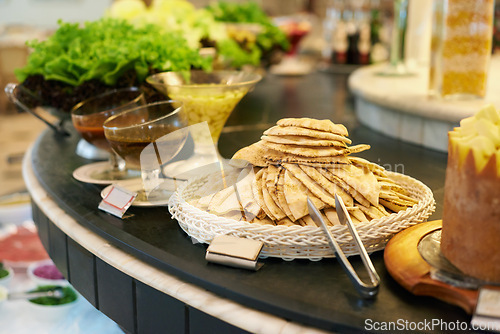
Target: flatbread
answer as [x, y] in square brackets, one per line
[303, 132]
[372, 212]
[373, 167]
[254, 154]
[280, 192]
[285, 222]
[395, 204]
[331, 216]
[224, 201]
[272, 180]
[360, 179]
[275, 211]
[234, 215]
[305, 141]
[310, 184]
[263, 221]
[261, 156]
[277, 157]
[355, 212]
[245, 193]
[314, 152]
[307, 221]
[257, 191]
[327, 185]
[353, 192]
[296, 195]
[315, 124]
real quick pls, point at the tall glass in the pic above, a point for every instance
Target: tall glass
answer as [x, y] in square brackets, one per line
[397, 65]
[147, 138]
[208, 97]
[88, 118]
[462, 36]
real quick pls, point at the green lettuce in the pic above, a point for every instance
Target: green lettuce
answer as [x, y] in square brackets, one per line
[106, 49]
[251, 12]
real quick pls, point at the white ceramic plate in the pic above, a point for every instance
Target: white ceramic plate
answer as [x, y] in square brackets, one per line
[86, 173]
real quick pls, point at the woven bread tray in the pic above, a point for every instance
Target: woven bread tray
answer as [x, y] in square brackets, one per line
[300, 242]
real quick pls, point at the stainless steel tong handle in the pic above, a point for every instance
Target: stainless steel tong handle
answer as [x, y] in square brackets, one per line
[57, 293]
[9, 90]
[366, 290]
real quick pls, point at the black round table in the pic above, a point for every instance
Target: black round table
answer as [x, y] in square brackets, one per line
[312, 296]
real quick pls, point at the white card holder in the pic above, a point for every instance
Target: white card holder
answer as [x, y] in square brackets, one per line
[117, 201]
[487, 313]
[235, 252]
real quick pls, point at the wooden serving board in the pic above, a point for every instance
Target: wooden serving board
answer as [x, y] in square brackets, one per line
[408, 268]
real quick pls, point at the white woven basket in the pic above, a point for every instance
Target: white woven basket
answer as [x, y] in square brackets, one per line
[301, 242]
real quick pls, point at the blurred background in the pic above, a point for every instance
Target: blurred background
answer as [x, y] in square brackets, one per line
[334, 27]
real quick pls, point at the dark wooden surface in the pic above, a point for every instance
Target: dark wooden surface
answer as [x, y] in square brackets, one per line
[312, 293]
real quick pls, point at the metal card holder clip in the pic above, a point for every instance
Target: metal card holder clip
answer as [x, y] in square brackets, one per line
[366, 290]
[487, 313]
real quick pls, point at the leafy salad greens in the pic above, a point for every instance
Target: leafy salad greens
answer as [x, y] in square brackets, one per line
[251, 12]
[106, 49]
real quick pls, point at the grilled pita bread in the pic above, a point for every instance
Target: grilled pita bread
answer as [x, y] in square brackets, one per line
[360, 180]
[224, 201]
[310, 184]
[257, 192]
[303, 141]
[326, 184]
[353, 192]
[314, 152]
[314, 124]
[280, 191]
[297, 159]
[296, 195]
[254, 154]
[275, 211]
[279, 131]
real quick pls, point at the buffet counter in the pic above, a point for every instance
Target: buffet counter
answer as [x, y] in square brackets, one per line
[146, 274]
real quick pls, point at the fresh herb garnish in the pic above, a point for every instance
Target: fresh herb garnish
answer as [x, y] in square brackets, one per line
[69, 295]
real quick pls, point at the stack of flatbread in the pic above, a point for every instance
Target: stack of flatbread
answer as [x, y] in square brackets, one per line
[302, 158]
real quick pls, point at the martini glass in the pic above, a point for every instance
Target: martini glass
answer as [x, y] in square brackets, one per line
[88, 118]
[209, 98]
[147, 138]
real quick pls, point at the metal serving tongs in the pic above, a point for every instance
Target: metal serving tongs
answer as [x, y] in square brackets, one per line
[56, 293]
[366, 290]
[11, 90]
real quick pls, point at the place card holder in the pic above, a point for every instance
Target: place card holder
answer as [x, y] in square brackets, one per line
[235, 252]
[487, 312]
[117, 201]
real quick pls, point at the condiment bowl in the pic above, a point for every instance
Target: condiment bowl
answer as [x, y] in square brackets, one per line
[45, 273]
[46, 312]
